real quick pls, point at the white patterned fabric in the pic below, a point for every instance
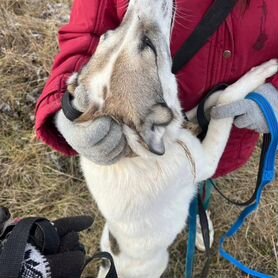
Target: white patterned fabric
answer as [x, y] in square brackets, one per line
[34, 265]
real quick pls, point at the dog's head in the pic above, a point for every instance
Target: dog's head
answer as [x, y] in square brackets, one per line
[129, 77]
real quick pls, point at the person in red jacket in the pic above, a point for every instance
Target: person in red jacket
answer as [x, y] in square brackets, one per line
[248, 37]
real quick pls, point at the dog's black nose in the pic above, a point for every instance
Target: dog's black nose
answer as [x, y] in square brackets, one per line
[4, 215]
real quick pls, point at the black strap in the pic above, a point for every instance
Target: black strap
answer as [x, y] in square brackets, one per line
[201, 115]
[70, 112]
[211, 21]
[112, 273]
[13, 252]
[49, 238]
[265, 145]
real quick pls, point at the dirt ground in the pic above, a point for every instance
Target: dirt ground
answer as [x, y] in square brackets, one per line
[38, 181]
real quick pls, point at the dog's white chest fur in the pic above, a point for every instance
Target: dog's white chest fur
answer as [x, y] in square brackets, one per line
[141, 188]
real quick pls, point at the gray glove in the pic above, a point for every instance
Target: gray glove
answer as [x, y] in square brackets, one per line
[247, 112]
[101, 141]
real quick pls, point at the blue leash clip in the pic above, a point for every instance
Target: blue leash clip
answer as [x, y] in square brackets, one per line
[267, 177]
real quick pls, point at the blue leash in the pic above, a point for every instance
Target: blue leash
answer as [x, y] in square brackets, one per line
[268, 175]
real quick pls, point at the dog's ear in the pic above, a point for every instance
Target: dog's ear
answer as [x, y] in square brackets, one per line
[153, 137]
[154, 127]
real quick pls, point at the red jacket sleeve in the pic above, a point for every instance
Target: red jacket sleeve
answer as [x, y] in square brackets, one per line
[77, 41]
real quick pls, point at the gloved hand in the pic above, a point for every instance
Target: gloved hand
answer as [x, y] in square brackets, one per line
[101, 141]
[67, 262]
[34, 247]
[247, 112]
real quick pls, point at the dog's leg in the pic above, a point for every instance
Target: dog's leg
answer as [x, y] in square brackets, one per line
[104, 246]
[219, 130]
[134, 257]
[211, 101]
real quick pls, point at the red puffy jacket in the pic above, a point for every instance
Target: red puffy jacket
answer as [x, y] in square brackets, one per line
[248, 37]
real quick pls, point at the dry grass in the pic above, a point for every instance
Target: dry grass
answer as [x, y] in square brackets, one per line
[37, 181]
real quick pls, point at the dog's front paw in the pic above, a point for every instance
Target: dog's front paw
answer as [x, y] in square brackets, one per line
[249, 82]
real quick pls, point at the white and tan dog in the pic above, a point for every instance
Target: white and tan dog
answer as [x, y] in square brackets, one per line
[145, 196]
